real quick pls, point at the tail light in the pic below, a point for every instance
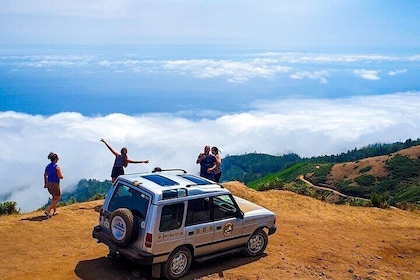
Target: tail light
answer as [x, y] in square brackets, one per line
[149, 239]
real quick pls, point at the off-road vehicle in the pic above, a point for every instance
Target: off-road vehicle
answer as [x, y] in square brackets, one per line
[168, 218]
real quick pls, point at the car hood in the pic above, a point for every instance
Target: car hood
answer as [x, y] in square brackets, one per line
[251, 209]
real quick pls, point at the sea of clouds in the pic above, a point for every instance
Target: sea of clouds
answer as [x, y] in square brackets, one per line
[307, 127]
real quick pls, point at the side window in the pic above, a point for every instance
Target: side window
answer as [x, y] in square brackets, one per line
[198, 211]
[223, 207]
[171, 217]
[126, 197]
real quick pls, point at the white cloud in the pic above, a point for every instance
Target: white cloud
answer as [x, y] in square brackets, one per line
[298, 57]
[397, 72]
[307, 127]
[233, 71]
[367, 74]
[321, 76]
[268, 66]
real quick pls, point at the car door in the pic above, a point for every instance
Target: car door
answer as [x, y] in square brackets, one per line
[228, 223]
[199, 228]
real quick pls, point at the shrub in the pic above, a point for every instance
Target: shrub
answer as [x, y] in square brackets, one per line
[365, 180]
[365, 169]
[378, 200]
[320, 174]
[277, 183]
[97, 196]
[403, 167]
[8, 207]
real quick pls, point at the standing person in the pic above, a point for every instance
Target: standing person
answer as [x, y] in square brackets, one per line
[52, 177]
[121, 161]
[206, 161]
[217, 168]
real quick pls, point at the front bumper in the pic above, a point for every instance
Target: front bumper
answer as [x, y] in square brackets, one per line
[272, 230]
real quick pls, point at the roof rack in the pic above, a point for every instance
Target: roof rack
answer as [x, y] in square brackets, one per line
[158, 169]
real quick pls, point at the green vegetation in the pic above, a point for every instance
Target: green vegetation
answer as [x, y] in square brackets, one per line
[365, 169]
[8, 207]
[372, 150]
[403, 167]
[378, 200]
[278, 179]
[365, 180]
[87, 190]
[321, 173]
[250, 167]
[400, 187]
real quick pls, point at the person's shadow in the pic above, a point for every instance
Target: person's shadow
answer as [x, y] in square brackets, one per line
[36, 218]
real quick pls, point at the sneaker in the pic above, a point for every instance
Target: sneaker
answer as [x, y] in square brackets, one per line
[55, 213]
[47, 214]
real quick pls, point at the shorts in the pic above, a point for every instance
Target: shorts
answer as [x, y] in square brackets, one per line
[54, 188]
[117, 171]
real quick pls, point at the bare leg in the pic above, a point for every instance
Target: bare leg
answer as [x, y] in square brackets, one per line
[54, 202]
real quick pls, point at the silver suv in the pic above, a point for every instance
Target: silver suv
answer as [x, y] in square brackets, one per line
[168, 218]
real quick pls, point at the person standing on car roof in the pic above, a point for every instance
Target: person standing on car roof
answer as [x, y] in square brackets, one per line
[121, 161]
[206, 161]
[217, 168]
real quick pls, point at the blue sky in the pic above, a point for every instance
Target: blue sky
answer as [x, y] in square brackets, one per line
[165, 78]
[301, 24]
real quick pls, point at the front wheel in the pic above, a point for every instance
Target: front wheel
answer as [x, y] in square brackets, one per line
[256, 243]
[178, 263]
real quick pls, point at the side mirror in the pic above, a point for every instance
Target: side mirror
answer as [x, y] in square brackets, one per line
[239, 214]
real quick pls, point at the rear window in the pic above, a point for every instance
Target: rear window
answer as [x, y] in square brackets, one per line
[126, 197]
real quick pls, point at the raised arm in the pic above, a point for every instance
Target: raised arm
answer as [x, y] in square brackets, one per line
[109, 147]
[137, 161]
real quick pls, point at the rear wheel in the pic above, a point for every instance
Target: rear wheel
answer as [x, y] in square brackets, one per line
[256, 243]
[178, 263]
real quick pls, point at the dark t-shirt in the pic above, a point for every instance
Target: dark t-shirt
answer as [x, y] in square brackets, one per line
[205, 164]
[51, 171]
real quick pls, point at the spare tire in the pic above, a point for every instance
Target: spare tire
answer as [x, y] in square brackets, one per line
[123, 226]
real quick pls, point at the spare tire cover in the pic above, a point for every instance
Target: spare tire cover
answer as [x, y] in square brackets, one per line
[122, 226]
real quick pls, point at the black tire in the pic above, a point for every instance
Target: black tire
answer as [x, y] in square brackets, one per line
[123, 226]
[178, 263]
[256, 244]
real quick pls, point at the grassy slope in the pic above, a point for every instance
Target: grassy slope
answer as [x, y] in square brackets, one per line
[348, 171]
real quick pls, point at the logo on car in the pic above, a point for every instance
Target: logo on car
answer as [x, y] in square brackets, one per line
[227, 229]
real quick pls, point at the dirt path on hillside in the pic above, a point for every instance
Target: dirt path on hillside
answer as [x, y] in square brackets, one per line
[300, 177]
[314, 240]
